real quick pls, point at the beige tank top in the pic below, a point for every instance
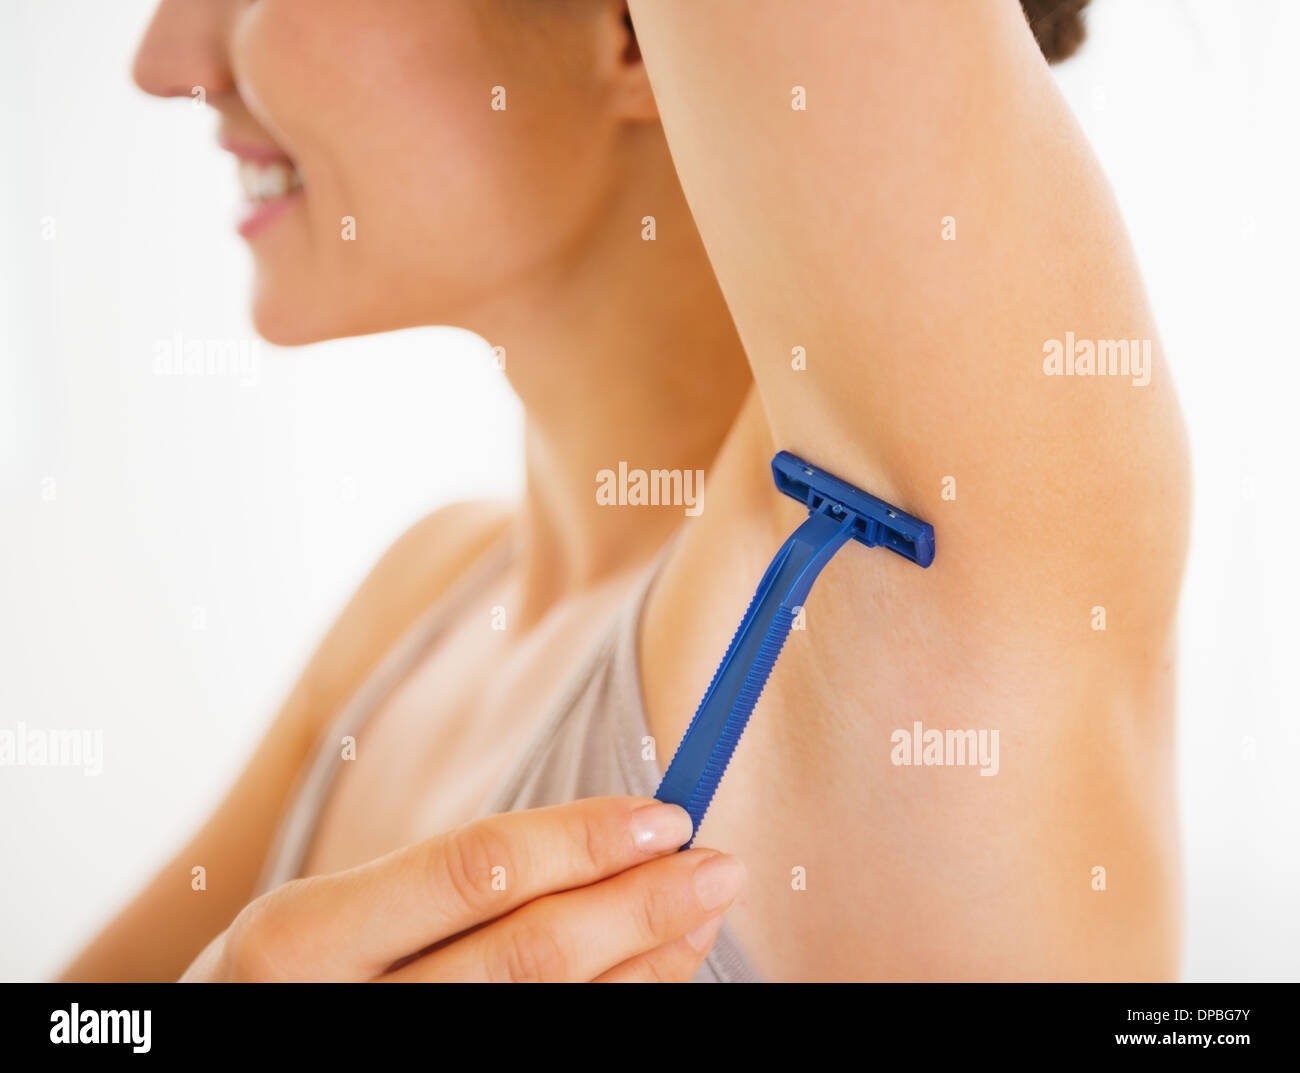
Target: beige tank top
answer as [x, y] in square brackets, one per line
[594, 743]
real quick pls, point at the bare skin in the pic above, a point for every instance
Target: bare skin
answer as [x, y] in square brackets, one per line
[822, 228]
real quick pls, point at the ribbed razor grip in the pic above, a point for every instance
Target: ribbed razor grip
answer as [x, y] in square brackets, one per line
[737, 719]
[709, 742]
[838, 512]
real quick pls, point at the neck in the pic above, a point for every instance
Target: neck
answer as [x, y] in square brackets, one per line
[628, 355]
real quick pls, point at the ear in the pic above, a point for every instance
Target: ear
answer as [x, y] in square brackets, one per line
[631, 97]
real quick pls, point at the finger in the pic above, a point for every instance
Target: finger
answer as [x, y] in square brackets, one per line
[355, 924]
[579, 934]
[673, 963]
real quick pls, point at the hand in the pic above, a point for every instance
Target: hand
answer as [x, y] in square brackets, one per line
[586, 891]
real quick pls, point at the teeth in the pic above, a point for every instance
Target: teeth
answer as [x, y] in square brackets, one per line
[262, 182]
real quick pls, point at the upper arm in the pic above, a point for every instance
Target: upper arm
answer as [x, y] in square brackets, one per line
[832, 228]
[923, 230]
[161, 931]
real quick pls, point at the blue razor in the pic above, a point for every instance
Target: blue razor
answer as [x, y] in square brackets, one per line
[837, 513]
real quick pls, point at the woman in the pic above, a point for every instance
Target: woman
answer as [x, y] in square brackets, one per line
[867, 232]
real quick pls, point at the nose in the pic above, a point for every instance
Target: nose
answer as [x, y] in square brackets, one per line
[184, 49]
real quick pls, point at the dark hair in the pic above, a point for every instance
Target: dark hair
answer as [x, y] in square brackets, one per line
[1058, 26]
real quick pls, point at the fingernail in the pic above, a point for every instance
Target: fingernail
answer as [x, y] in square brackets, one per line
[718, 880]
[660, 826]
[702, 936]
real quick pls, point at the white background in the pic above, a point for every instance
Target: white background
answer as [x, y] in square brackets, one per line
[203, 531]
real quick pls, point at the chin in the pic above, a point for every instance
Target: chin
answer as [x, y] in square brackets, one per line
[295, 319]
[294, 307]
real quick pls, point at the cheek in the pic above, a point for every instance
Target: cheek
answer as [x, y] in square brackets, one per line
[391, 122]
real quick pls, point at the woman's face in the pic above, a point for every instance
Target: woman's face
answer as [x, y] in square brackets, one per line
[405, 161]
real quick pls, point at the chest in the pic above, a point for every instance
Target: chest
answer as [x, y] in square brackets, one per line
[437, 749]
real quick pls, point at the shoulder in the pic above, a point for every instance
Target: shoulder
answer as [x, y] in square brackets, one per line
[413, 573]
[429, 556]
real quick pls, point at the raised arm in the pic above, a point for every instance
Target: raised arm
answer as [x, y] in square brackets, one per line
[898, 188]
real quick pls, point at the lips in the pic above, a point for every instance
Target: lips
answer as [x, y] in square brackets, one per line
[269, 179]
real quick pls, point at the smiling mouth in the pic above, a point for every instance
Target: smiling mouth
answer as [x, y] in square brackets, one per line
[269, 179]
[271, 188]
[263, 182]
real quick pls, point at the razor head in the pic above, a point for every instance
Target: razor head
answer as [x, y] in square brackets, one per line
[876, 523]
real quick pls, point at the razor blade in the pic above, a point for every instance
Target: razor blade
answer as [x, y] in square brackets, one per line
[837, 513]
